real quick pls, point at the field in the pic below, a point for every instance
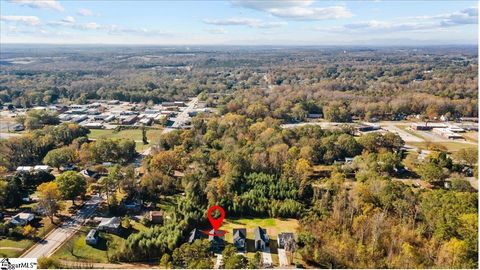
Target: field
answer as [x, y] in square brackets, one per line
[135, 134]
[449, 146]
[11, 248]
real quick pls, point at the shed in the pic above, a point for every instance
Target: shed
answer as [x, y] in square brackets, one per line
[155, 217]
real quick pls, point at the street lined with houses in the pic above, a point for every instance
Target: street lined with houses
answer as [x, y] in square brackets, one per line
[60, 235]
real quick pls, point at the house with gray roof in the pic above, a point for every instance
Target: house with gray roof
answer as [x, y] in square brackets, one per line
[261, 238]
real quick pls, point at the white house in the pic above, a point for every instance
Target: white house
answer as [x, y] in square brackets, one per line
[22, 219]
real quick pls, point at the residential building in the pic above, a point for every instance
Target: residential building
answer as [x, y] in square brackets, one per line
[286, 240]
[110, 225]
[261, 238]
[240, 239]
[217, 240]
[22, 219]
[155, 217]
[195, 234]
[92, 237]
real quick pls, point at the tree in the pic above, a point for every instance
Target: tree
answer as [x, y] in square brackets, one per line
[38, 118]
[337, 112]
[28, 231]
[144, 135]
[49, 198]
[453, 254]
[232, 260]
[468, 156]
[3, 194]
[71, 185]
[165, 261]
[60, 157]
[431, 172]
[49, 263]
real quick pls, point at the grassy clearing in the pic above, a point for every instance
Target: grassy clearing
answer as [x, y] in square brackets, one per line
[13, 248]
[153, 136]
[450, 146]
[76, 249]
[471, 136]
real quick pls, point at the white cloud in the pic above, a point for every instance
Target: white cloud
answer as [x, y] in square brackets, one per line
[43, 4]
[250, 22]
[437, 22]
[68, 19]
[27, 20]
[296, 9]
[91, 26]
[218, 31]
[85, 12]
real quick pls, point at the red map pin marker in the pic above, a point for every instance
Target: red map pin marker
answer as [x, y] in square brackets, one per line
[216, 223]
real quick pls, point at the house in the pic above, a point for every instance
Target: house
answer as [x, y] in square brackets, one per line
[286, 240]
[155, 217]
[22, 219]
[92, 237]
[217, 240]
[195, 234]
[261, 238]
[110, 224]
[240, 239]
[132, 205]
[89, 174]
[69, 167]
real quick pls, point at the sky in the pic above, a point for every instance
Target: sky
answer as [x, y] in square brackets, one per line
[239, 22]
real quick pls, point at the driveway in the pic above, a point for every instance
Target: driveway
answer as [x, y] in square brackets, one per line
[267, 257]
[218, 261]
[58, 236]
[282, 257]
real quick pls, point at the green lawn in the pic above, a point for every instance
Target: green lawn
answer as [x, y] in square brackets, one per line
[76, 249]
[13, 248]
[135, 134]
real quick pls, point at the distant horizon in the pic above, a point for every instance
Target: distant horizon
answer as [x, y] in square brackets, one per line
[239, 22]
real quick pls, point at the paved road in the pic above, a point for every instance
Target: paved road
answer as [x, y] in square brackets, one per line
[407, 137]
[56, 238]
[183, 116]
